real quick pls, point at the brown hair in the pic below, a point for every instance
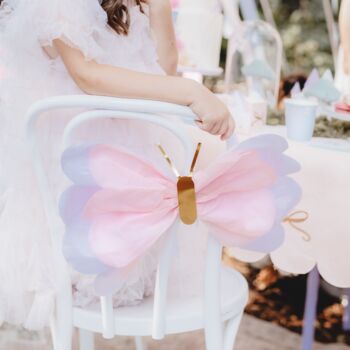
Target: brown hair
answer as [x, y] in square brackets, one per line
[118, 14]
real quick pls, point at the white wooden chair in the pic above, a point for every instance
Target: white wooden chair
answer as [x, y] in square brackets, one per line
[218, 310]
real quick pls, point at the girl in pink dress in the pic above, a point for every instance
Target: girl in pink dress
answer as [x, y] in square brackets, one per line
[57, 47]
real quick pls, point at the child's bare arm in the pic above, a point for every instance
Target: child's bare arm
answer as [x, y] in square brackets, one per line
[107, 80]
[344, 25]
[162, 27]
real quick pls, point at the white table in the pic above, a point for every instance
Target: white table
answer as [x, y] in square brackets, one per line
[325, 181]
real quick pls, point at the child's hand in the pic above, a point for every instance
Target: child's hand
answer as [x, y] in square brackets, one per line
[214, 117]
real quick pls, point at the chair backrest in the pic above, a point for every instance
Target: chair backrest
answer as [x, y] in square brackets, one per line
[149, 111]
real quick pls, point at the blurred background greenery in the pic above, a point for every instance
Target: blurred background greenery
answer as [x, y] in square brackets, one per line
[304, 34]
[303, 29]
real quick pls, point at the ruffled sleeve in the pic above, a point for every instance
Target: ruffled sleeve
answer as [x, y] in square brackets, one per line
[80, 23]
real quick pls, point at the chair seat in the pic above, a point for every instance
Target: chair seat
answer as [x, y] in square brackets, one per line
[183, 314]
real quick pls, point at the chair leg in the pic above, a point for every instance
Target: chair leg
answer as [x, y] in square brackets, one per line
[346, 317]
[231, 331]
[313, 283]
[62, 337]
[140, 343]
[213, 325]
[86, 340]
[62, 320]
[54, 333]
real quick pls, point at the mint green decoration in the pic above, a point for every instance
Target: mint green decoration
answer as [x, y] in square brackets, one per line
[258, 69]
[324, 90]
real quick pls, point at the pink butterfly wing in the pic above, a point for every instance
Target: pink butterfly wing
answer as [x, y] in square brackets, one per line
[236, 218]
[135, 207]
[119, 239]
[237, 195]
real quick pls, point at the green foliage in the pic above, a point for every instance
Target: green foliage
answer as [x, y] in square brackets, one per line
[304, 34]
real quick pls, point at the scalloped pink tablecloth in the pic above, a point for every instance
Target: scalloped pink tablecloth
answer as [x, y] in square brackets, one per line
[325, 181]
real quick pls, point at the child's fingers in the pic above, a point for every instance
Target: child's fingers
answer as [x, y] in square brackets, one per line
[202, 126]
[207, 126]
[224, 127]
[230, 130]
[217, 130]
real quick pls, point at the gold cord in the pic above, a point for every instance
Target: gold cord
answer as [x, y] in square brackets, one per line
[297, 217]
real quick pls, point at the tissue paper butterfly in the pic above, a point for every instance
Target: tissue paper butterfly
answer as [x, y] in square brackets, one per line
[120, 205]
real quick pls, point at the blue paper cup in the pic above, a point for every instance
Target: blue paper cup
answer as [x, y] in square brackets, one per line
[300, 118]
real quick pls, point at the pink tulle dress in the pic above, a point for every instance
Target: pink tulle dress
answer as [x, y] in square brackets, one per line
[28, 73]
